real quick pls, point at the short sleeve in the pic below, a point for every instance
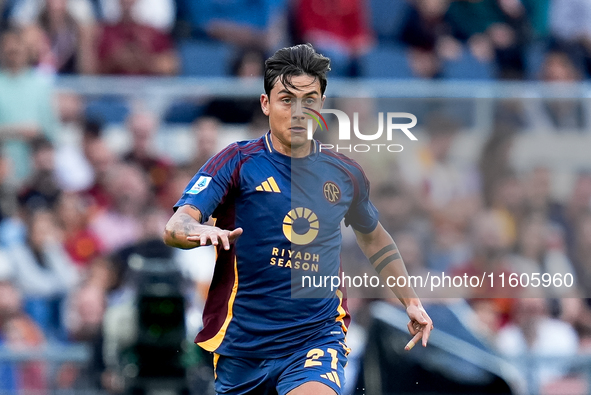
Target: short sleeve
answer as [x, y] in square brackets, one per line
[362, 215]
[208, 188]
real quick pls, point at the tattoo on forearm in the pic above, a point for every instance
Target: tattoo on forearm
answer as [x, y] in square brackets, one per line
[383, 257]
[386, 261]
[188, 224]
[381, 253]
[183, 226]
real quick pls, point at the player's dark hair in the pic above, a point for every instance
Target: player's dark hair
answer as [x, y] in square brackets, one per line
[294, 61]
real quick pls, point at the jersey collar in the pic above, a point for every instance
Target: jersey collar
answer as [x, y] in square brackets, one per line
[288, 159]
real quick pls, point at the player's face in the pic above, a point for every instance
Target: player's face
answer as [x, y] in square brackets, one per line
[285, 107]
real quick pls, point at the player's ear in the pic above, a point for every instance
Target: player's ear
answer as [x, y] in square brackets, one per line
[265, 104]
[322, 101]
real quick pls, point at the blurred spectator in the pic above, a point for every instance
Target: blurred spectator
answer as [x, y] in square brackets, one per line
[398, 210]
[12, 228]
[259, 125]
[538, 14]
[41, 189]
[490, 253]
[582, 254]
[80, 242]
[539, 198]
[143, 127]
[449, 246]
[159, 14]
[559, 114]
[411, 249]
[494, 163]
[73, 171]
[495, 29]
[511, 37]
[441, 184]
[569, 19]
[538, 189]
[8, 201]
[533, 332]
[5, 6]
[569, 24]
[18, 332]
[540, 249]
[38, 49]
[25, 101]
[86, 314]
[470, 21]
[68, 27]
[559, 66]
[337, 29]
[26, 12]
[429, 37]
[43, 271]
[502, 191]
[488, 319]
[582, 264]
[509, 202]
[179, 179]
[206, 131]
[85, 311]
[576, 208]
[244, 23]
[120, 225]
[102, 160]
[248, 65]
[130, 47]
[148, 244]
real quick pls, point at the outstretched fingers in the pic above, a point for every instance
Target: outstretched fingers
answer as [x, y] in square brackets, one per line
[225, 239]
[413, 341]
[235, 234]
[217, 236]
[413, 328]
[205, 238]
[426, 333]
[420, 326]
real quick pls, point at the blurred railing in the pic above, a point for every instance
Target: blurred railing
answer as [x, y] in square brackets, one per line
[75, 352]
[51, 369]
[157, 93]
[76, 357]
[237, 87]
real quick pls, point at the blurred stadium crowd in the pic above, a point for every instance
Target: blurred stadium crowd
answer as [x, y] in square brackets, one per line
[73, 209]
[496, 39]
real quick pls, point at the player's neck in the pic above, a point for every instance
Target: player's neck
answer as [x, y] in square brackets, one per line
[291, 151]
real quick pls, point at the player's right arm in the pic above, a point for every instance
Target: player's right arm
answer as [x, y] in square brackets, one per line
[185, 230]
[206, 190]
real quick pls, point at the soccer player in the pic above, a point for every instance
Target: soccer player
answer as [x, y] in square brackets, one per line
[278, 202]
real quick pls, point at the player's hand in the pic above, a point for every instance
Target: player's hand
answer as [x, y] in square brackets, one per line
[420, 325]
[214, 236]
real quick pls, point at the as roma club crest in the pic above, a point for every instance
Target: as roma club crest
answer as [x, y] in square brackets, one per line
[332, 193]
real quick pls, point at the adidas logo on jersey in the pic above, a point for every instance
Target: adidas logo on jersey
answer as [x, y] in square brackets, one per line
[269, 185]
[332, 376]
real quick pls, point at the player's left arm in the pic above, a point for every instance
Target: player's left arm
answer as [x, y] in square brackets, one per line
[384, 256]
